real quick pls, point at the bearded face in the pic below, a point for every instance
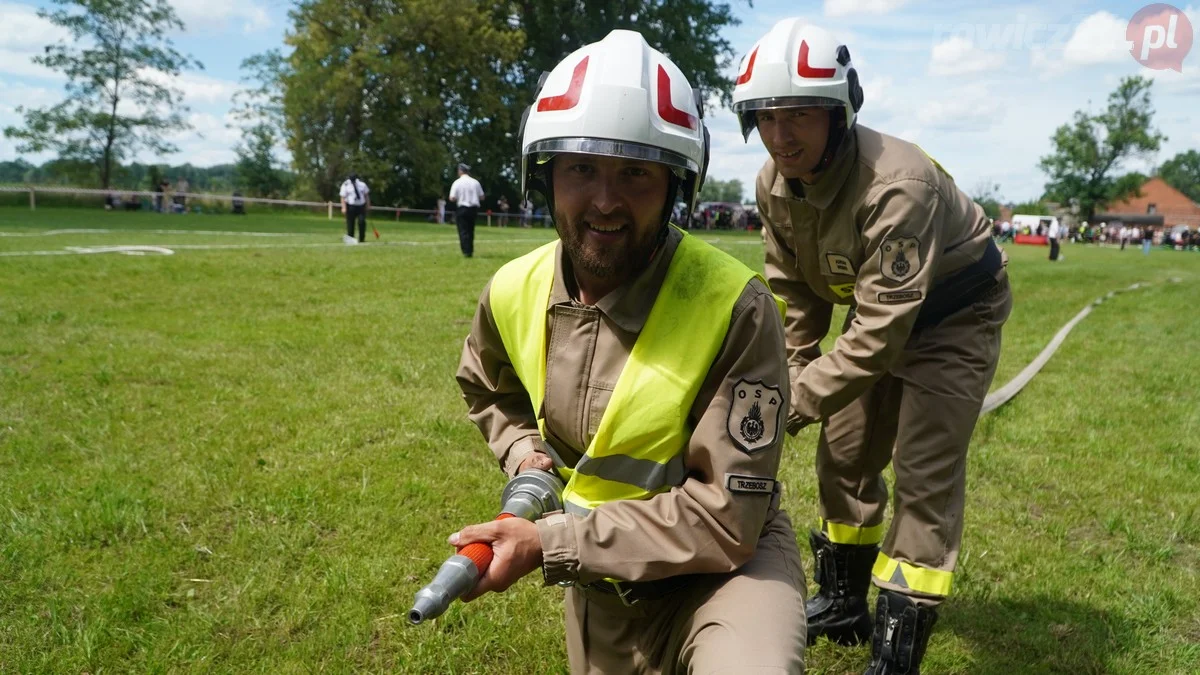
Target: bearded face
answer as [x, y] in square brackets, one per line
[608, 213]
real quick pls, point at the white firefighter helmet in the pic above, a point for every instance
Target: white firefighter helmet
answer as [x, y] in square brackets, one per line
[617, 97]
[796, 64]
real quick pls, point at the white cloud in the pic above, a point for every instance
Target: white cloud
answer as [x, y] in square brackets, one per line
[958, 55]
[209, 141]
[19, 63]
[13, 94]
[24, 36]
[970, 109]
[196, 88]
[1099, 38]
[25, 31]
[218, 14]
[878, 100]
[847, 7]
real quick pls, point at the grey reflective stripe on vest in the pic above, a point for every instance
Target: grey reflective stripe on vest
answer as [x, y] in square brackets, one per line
[644, 473]
[575, 509]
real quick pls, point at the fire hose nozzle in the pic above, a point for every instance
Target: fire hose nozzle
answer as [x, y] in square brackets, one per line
[528, 495]
[456, 576]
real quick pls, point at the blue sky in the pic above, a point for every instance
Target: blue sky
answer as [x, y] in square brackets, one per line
[981, 86]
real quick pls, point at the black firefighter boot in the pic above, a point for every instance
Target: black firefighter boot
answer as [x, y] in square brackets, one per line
[839, 611]
[902, 629]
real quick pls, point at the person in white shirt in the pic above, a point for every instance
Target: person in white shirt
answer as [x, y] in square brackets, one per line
[467, 194]
[1053, 234]
[526, 213]
[355, 202]
[1124, 237]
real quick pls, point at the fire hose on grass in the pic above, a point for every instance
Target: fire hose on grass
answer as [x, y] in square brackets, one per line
[529, 495]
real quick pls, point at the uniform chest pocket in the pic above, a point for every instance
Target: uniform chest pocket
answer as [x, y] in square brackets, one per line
[598, 396]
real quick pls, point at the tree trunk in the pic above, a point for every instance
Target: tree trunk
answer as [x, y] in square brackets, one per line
[106, 170]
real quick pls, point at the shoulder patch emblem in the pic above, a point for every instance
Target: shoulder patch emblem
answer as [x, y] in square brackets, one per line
[900, 258]
[839, 264]
[754, 413]
[749, 484]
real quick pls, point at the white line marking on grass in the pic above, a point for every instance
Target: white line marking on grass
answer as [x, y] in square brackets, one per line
[133, 249]
[86, 250]
[221, 233]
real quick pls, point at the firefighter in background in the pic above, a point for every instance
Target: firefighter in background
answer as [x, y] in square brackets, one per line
[854, 217]
[648, 369]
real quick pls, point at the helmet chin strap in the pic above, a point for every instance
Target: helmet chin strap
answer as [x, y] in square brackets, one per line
[833, 142]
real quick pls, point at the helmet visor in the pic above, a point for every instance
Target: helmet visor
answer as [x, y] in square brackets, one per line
[545, 149]
[787, 102]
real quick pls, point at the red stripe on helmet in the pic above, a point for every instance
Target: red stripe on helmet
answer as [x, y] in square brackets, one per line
[569, 98]
[666, 109]
[805, 70]
[744, 77]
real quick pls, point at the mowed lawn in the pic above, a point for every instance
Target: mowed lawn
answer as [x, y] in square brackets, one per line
[246, 456]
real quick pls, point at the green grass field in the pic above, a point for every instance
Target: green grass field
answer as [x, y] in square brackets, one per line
[245, 458]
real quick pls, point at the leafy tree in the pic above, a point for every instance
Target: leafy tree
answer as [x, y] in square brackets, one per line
[722, 191]
[15, 171]
[1031, 208]
[402, 90]
[688, 31]
[119, 54]
[395, 90]
[987, 195]
[1183, 173]
[257, 170]
[1092, 148]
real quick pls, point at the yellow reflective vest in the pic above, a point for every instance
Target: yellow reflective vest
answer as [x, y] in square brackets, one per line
[638, 448]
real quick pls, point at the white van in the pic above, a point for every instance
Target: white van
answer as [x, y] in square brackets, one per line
[1020, 222]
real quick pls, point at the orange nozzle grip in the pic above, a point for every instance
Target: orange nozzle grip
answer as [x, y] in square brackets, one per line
[479, 552]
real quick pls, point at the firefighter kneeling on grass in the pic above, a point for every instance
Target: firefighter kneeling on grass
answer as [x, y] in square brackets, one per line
[648, 369]
[855, 217]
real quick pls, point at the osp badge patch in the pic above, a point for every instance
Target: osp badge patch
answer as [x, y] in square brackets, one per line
[754, 416]
[900, 258]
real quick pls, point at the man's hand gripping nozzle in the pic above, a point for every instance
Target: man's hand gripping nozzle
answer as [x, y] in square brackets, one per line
[529, 495]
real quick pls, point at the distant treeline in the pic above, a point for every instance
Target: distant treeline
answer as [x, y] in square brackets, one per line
[221, 179]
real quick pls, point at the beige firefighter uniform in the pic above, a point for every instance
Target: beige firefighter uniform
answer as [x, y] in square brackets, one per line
[885, 230]
[710, 578]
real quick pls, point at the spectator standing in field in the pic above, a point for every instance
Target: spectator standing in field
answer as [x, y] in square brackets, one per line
[1147, 240]
[181, 195]
[502, 211]
[526, 212]
[1123, 234]
[441, 210]
[852, 216]
[467, 195]
[1053, 234]
[356, 199]
[159, 191]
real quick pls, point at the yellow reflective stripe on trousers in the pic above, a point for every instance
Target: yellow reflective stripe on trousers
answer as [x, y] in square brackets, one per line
[905, 575]
[850, 534]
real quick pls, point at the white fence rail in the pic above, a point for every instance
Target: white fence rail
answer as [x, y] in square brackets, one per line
[33, 190]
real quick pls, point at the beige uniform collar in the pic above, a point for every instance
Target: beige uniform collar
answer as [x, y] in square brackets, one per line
[629, 305]
[829, 182]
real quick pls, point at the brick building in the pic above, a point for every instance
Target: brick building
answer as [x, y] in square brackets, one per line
[1159, 205]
